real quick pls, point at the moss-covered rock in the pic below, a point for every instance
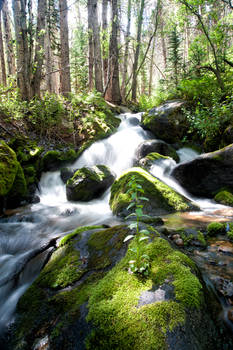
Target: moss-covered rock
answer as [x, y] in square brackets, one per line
[8, 168]
[89, 183]
[52, 159]
[150, 159]
[162, 199]
[18, 189]
[216, 228]
[224, 197]
[155, 146]
[167, 122]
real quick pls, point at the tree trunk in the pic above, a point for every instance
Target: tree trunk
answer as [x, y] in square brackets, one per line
[97, 48]
[90, 48]
[112, 92]
[151, 67]
[126, 54]
[8, 40]
[64, 41]
[3, 66]
[39, 52]
[104, 38]
[136, 57]
[23, 59]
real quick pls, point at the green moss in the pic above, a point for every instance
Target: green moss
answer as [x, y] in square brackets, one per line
[201, 238]
[160, 195]
[103, 245]
[230, 235]
[224, 197]
[113, 304]
[19, 187]
[76, 232]
[58, 158]
[186, 238]
[30, 174]
[215, 228]
[8, 168]
[155, 156]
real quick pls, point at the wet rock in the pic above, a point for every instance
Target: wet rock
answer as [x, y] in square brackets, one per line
[208, 173]
[66, 174]
[164, 292]
[155, 146]
[224, 286]
[179, 242]
[176, 236]
[167, 122]
[89, 183]
[133, 121]
[226, 249]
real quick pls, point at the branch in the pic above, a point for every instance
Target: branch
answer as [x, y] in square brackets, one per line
[229, 3]
[228, 62]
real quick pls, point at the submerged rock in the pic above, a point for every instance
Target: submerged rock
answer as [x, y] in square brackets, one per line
[85, 298]
[207, 174]
[167, 122]
[162, 198]
[89, 183]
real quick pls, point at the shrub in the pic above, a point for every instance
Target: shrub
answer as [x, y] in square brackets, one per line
[215, 228]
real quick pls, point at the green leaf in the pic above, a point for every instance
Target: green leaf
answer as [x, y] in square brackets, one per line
[143, 239]
[134, 250]
[143, 198]
[132, 204]
[145, 232]
[139, 212]
[133, 225]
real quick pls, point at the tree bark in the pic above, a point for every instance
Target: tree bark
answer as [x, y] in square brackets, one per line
[39, 52]
[97, 47]
[151, 67]
[8, 40]
[138, 44]
[23, 59]
[104, 38]
[112, 92]
[64, 41]
[3, 66]
[126, 54]
[90, 48]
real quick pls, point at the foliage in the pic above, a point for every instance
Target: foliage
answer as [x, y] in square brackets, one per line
[145, 102]
[11, 104]
[140, 262]
[215, 228]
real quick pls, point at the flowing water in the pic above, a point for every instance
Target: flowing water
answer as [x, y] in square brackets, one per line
[33, 226]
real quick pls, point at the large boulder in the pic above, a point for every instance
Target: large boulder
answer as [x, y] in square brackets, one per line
[162, 198]
[85, 298]
[89, 183]
[13, 185]
[208, 173]
[155, 146]
[167, 122]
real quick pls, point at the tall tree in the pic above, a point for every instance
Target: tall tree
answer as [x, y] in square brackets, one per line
[104, 39]
[3, 66]
[126, 53]
[23, 59]
[64, 41]
[90, 47]
[8, 40]
[137, 51]
[39, 50]
[112, 92]
[96, 44]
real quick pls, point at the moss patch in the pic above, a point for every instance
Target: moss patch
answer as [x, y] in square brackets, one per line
[161, 197]
[224, 197]
[215, 228]
[113, 305]
[76, 232]
[8, 168]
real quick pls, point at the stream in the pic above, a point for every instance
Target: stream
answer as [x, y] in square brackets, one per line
[30, 227]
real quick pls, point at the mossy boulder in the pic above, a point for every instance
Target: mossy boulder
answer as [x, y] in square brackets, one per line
[155, 146]
[151, 158]
[55, 159]
[208, 173]
[224, 197]
[8, 168]
[89, 183]
[98, 304]
[167, 122]
[162, 198]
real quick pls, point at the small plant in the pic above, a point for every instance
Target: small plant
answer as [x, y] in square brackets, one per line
[140, 261]
[229, 230]
[201, 238]
[215, 228]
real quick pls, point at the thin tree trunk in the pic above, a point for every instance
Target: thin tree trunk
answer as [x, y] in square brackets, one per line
[64, 41]
[3, 66]
[126, 54]
[163, 45]
[8, 40]
[151, 67]
[90, 48]
[23, 61]
[97, 46]
[104, 38]
[39, 52]
[112, 92]
[138, 44]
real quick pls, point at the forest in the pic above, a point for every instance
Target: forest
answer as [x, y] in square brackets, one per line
[116, 174]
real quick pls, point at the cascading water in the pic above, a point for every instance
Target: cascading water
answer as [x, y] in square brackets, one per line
[35, 225]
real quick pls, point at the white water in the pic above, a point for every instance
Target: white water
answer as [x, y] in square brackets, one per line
[54, 215]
